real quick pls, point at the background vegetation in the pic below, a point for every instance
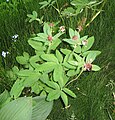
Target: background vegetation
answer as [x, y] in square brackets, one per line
[95, 91]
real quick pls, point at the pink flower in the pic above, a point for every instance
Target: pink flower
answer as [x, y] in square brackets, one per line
[84, 42]
[51, 25]
[88, 66]
[74, 37]
[62, 28]
[49, 38]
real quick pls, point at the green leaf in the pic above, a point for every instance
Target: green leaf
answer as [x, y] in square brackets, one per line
[47, 66]
[72, 62]
[44, 4]
[44, 77]
[41, 109]
[4, 98]
[29, 15]
[70, 41]
[25, 73]
[95, 68]
[48, 89]
[32, 16]
[69, 92]
[78, 10]
[35, 88]
[69, 66]
[15, 69]
[96, 52]
[57, 35]
[68, 12]
[34, 59]
[65, 78]
[59, 56]
[43, 93]
[64, 98]
[71, 73]
[53, 95]
[89, 44]
[42, 35]
[30, 80]
[19, 109]
[66, 58]
[37, 52]
[36, 45]
[22, 60]
[47, 29]
[58, 75]
[92, 2]
[35, 14]
[77, 34]
[49, 58]
[12, 74]
[92, 55]
[84, 38]
[58, 71]
[55, 44]
[32, 19]
[39, 39]
[77, 3]
[17, 88]
[71, 32]
[78, 49]
[78, 57]
[26, 55]
[65, 51]
[53, 85]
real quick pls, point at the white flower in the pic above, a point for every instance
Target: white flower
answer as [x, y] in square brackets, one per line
[84, 42]
[7, 0]
[15, 36]
[4, 54]
[62, 28]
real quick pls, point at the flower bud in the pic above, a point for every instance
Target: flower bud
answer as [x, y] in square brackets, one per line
[88, 66]
[49, 37]
[74, 37]
[51, 25]
[84, 42]
[62, 28]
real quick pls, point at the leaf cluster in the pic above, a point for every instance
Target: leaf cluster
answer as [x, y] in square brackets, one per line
[53, 68]
[25, 108]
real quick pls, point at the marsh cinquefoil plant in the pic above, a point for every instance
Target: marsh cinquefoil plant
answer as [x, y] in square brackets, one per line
[74, 8]
[53, 67]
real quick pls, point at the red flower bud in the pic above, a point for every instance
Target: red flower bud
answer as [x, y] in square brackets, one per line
[88, 66]
[51, 24]
[50, 38]
[74, 37]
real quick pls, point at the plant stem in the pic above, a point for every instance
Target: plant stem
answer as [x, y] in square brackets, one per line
[92, 19]
[74, 78]
[57, 9]
[109, 115]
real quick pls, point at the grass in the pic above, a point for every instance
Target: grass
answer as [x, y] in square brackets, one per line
[94, 97]
[94, 90]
